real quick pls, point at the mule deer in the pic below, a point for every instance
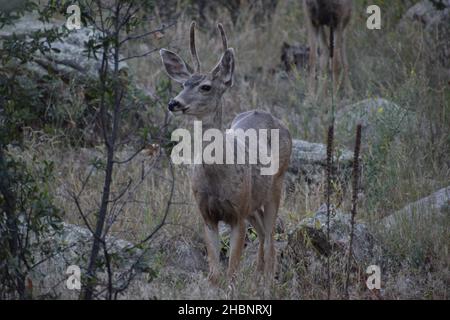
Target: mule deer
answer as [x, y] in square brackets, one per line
[336, 15]
[233, 193]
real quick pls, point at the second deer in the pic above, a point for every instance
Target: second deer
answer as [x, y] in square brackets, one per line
[233, 193]
[334, 14]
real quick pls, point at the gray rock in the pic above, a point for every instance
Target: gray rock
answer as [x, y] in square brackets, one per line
[73, 244]
[186, 255]
[436, 21]
[438, 29]
[308, 161]
[72, 247]
[380, 119]
[436, 203]
[366, 249]
[70, 56]
[424, 11]
[306, 255]
[66, 76]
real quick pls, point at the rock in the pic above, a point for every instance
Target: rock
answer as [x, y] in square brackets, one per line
[436, 203]
[425, 11]
[72, 247]
[434, 16]
[65, 78]
[438, 30]
[73, 244]
[380, 119]
[187, 255]
[307, 251]
[308, 161]
[366, 249]
[69, 57]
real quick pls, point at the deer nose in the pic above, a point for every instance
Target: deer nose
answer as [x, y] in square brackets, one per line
[173, 104]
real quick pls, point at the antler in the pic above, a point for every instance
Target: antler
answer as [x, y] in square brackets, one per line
[224, 37]
[194, 54]
[193, 49]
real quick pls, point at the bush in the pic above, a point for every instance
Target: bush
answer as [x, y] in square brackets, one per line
[27, 216]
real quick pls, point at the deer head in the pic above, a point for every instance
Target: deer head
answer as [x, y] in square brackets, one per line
[201, 92]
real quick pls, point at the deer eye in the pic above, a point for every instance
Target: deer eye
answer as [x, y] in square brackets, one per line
[205, 87]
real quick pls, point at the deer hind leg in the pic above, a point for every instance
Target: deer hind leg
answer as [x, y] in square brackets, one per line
[323, 61]
[337, 58]
[270, 216]
[212, 247]
[269, 249]
[313, 37]
[347, 83]
[257, 223]
[237, 240]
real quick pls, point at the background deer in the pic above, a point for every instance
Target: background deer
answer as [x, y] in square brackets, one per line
[336, 15]
[233, 193]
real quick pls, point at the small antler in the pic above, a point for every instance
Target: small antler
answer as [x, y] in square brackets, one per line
[193, 49]
[224, 37]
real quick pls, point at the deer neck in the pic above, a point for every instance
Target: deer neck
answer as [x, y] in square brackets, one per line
[211, 121]
[214, 119]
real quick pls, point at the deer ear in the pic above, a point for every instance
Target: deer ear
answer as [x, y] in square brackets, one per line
[175, 67]
[224, 70]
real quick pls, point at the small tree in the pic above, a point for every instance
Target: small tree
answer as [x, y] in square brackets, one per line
[114, 24]
[26, 212]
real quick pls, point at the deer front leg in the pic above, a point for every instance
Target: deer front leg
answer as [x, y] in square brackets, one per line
[213, 247]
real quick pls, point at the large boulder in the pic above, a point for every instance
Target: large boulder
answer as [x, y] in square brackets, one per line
[61, 83]
[426, 11]
[434, 17]
[436, 203]
[305, 257]
[72, 246]
[68, 58]
[311, 234]
[133, 268]
[380, 119]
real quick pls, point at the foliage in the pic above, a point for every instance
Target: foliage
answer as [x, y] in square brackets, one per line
[27, 213]
[27, 216]
[24, 101]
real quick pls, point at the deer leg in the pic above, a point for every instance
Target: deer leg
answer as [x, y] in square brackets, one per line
[212, 247]
[313, 34]
[269, 248]
[347, 83]
[323, 62]
[237, 239]
[257, 223]
[270, 216]
[337, 58]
